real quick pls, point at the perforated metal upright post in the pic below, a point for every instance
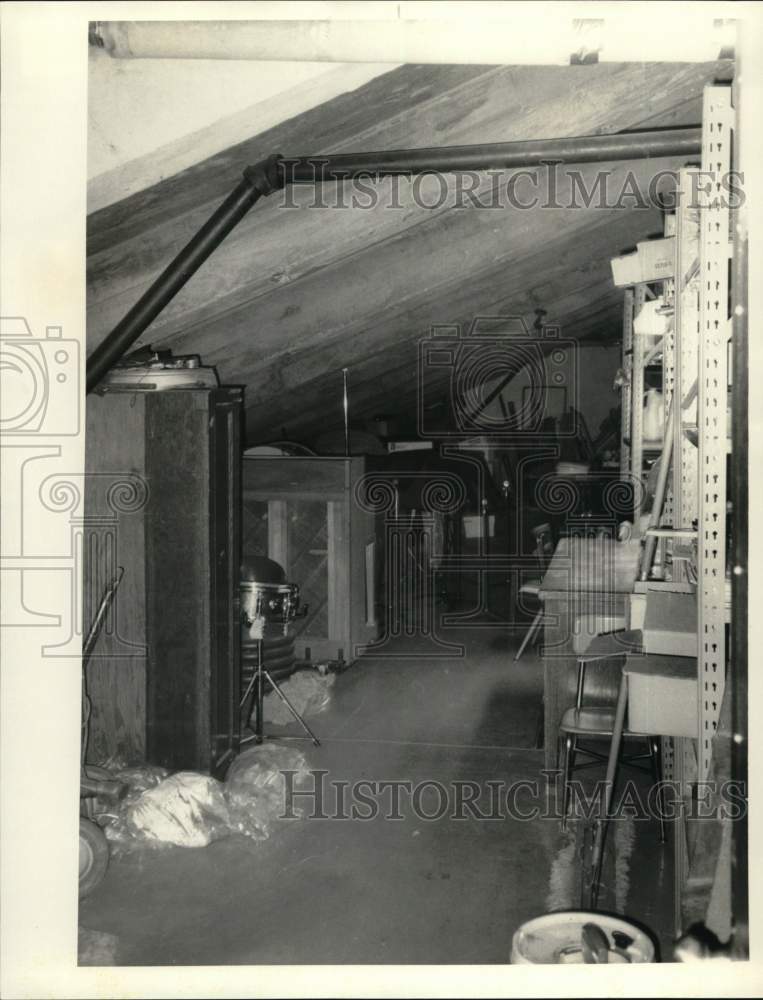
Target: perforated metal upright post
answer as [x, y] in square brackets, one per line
[682, 756]
[715, 330]
[667, 517]
[685, 489]
[626, 390]
[637, 411]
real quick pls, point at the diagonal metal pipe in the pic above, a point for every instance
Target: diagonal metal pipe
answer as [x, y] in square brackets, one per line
[276, 171]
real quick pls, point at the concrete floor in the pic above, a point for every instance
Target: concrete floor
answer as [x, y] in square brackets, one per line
[383, 891]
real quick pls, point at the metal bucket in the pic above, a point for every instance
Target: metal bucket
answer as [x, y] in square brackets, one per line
[556, 939]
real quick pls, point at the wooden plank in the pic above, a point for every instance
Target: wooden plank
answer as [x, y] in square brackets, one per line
[339, 586]
[130, 243]
[294, 294]
[117, 182]
[336, 122]
[280, 477]
[116, 677]
[503, 287]
[449, 249]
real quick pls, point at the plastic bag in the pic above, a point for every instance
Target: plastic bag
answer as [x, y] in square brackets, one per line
[111, 815]
[256, 790]
[191, 810]
[653, 416]
[140, 778]
[186, 809]
[308, 691]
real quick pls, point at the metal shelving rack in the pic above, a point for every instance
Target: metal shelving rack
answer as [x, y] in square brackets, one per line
[686, 327]
[685, 488]
[696, 373]
[632, 400]
[626, 389]
[712, 401]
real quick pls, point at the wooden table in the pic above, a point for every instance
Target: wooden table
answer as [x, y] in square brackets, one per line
[587, 577]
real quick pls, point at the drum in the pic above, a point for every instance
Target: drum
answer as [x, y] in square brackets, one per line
[271, 602]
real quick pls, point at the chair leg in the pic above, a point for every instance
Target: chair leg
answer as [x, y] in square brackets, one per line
[568, 755]
[656, 761]
[609, 784]
[537, 627]
[529, 634]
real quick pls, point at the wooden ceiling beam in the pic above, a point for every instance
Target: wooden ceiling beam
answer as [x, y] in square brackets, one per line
[129, 243]
[296, 294]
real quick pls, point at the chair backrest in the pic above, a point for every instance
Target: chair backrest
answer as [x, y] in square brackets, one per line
[544, 546]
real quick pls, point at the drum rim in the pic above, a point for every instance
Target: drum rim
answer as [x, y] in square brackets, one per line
[280, 588]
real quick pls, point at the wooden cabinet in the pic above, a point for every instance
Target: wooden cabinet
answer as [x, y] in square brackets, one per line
[165, 676]
[304, 513]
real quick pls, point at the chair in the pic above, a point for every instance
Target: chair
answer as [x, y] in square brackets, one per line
[654, 678]
[595, 721]
[544, 548]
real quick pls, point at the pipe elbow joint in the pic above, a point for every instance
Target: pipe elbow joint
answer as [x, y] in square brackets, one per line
[266, 176]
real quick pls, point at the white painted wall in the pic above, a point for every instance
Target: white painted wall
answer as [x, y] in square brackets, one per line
[151, 118]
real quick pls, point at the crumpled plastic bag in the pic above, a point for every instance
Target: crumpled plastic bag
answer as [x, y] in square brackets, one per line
[112, 816]
[307, 690]
[186, 809]
[140, 778]
[256, 790]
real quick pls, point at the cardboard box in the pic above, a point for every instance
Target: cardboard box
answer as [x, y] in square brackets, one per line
[662, 695]
[657, 258]
[654, 260]
[670, 623]
[626, 270]
[637, 609]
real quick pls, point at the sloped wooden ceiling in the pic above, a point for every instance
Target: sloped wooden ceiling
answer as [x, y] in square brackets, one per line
[297, 293]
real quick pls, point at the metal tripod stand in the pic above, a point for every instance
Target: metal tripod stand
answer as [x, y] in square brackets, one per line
[259, 677]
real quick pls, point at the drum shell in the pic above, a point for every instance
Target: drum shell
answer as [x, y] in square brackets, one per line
[275, 602]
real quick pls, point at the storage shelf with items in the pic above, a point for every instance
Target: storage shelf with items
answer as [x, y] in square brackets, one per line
[644, 384]
[684, 537]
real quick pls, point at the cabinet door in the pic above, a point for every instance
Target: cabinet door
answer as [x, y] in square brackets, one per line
[192, 567]
[225, 547]
[116, 505]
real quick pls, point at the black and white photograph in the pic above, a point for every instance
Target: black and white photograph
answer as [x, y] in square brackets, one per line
[378, 433]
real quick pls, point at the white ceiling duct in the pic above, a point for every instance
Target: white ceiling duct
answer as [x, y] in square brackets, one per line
[544, 38]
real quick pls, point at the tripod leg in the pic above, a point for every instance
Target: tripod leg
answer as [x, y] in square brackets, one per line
[260, 722]
[248, 691]
[292, 709]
